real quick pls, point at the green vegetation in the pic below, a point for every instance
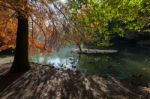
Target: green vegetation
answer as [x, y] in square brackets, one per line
[104, 18]
[94, 72]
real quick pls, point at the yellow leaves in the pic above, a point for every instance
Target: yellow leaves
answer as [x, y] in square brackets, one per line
[92, 25]
[135, 2]
[87, 6]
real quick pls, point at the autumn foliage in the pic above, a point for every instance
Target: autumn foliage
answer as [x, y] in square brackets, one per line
[8, 26]
[45, 25]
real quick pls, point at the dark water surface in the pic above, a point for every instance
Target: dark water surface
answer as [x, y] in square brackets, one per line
[131, 63]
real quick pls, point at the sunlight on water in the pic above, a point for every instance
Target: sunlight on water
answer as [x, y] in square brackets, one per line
[63, 1]
[129, 63]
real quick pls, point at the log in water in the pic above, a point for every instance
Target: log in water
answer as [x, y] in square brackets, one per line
[94, 51]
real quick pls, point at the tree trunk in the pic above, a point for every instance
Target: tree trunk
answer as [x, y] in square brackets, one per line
[21, 62]
[79, 46]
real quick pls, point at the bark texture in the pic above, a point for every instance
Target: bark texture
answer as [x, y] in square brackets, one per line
[21, 63]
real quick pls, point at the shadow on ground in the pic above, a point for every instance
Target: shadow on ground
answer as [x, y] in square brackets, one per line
[46, 82]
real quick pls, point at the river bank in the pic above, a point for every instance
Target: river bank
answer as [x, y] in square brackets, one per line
[47, 82]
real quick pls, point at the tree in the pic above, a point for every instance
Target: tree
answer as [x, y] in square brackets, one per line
[36, 13]
[21, 54]
[104, 18]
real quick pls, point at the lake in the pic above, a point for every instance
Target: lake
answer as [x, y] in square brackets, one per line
[130, 63]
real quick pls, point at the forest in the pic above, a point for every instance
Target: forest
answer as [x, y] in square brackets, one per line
[74, 49]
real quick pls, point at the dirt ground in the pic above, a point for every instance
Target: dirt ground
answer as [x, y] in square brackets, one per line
[47, 82]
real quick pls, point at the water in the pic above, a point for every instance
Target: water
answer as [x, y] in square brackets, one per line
[132, 64]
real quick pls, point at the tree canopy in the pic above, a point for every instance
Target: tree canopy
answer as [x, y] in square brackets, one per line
[103, 18]
[45, 23]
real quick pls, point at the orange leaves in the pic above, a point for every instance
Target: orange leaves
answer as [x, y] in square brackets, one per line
[8, 27]
[41, 36]
[45, 23]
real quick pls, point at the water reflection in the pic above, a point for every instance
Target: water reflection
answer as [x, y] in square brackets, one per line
[60, 59]
[130, 63]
